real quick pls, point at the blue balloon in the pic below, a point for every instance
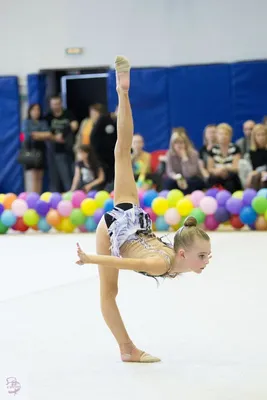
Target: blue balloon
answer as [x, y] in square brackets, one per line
[109, 204]
[248, 216]
[149, 196]
[262, 193]
[43, 225]
[8, 218]
[161, 224]
[90, 224]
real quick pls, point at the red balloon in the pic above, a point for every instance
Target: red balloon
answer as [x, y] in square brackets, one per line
[20, 226]
[236, 222]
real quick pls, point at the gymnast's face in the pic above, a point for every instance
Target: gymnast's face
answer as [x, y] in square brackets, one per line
[197, 257]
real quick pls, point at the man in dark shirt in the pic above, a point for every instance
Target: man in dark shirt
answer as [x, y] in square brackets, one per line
[63, 126]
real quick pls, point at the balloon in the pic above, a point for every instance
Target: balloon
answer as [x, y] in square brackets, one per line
[160, 205]
[174, 196]
[77, 198]
[259, 204]
[20, 225]
[212, 192]
[8, 200]
[23, 196]
[261, 223]
[265, 215]
[236, 222]
[196, 196]
[42, 207]
[31, 217]
[262, 193]
[2, 196]
[161, 224]
[211, 223]
[222, 197]
[46, 196]
[43, 226]
[19, 207]
[55, 199]
[198, 214]
[248, 215]
[149, 196]
[184, 207]
[91, 194]
[90, 224]
[8, 218]
[64, 208]
[77, 217]
[66, 226]
[238, 194]
[3, 228]
[98, 215]
[164, 193]
[221, 215]
[53, 218]
[208, 205]
[1, 208]
[32, 199]
[101, 197]
[172, 217]
[89, 207]
[234, 205]
[82, 229]
[67, 196]
[112, 194]
[151, 214]
[109, 204]
[248, 196]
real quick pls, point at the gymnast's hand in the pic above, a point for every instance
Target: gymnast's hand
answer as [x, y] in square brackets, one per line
[83, 258]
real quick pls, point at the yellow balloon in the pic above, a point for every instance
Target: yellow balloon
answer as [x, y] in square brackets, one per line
[46, 196]
[89, 207]
[174, 196]
[101, 198]
[184, 207]
[2, 196]
[160, 205]
[238, 194]
[66, 225]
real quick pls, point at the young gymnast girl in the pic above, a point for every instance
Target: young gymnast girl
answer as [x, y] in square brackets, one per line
[124, 238]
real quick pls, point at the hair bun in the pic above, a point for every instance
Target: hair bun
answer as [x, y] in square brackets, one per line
[190, 221]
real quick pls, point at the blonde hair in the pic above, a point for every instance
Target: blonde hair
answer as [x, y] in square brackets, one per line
[255, 130]
[227, 128]
[180, 135]
[186, 235]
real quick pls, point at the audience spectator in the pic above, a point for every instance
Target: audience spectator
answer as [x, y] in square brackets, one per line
[84, 134]
[210, 140]
[223, 160]
[63, 126]
[183, 164]
[258, 154]
[35, 130]
[244, 143]
[88, 173]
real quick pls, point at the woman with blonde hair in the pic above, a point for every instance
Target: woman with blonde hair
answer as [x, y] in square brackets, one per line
[258, 157]
[183, 165]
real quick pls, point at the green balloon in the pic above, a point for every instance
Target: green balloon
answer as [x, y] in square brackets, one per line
[67, 196]
[198, 214]
[3, 228]
[259, 204]
[77, 218]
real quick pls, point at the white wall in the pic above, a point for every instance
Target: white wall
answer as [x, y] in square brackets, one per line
[150, 32]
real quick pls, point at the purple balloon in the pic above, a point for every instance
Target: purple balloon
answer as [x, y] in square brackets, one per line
[248, 196]
[211, 223]
[163, 193]
[42, 208]
[55, 199]
[221, 214]
[234, 206]
[222, 197]
[252, 227]
[32, 199]
[1, 208]
[98, 215]
[22, 196]
[212, 192]
[91, 194]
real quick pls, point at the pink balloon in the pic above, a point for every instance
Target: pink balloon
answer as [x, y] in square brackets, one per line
[22, 196]
[172, 217]
[77, 198]
[208, 205]
[82, 229]
[151, 214]
[196, 197]
[210, 223]
[64, 208]
[19, 207]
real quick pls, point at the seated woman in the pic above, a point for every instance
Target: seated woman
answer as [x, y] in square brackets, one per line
[210, 140]
[36, 133]
[183, 167]
[258, 157]
[88, 173]
[223, 161]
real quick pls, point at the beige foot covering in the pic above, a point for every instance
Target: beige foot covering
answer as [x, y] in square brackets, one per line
[122, 64]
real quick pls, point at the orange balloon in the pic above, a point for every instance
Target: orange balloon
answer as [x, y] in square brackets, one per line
[35, 228]
[53, 218]
[261, 224]
[8, 200]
